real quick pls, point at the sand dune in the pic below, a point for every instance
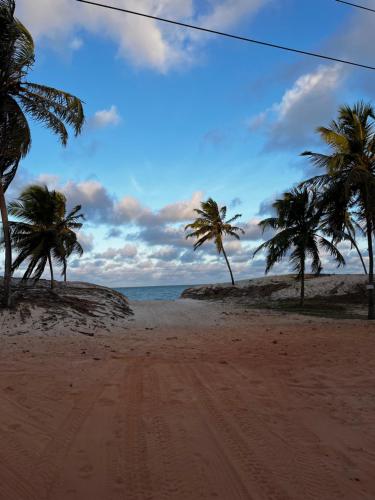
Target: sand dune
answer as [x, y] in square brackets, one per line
[190, 400]
[281, 287]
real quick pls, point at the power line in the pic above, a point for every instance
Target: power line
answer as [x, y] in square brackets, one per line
[356, 5]
[228, 35]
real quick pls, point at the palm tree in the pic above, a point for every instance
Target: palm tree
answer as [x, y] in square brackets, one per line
[350, 171]
[211, 225]
[298, 226]
[43, 230]
[18, 97]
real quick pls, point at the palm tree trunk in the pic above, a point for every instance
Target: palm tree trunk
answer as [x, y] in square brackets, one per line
[51, 269]
[302, 297]
[65, 269]
[8, 250]
[354, 243]
[227, 261]
[370, 287]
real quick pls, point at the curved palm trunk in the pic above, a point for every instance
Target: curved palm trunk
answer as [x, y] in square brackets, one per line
[51, 270]
[354, 243]
[370, 288]
[227, 261]
[302, 297]
[8, 250]
[64, 270]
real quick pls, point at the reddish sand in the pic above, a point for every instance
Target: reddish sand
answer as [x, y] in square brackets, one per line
[190, 402]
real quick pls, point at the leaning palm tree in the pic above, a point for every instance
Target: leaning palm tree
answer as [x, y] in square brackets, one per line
[18, 98]
[211, 225]
[298, 230]
[350, 171]
[43, 231]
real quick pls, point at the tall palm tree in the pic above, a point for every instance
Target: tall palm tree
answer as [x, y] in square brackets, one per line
[43, 230]
[18, 98]
[212, 225]
[298, 226]
[350, 171]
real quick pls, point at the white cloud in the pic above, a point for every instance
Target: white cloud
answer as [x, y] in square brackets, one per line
[166, 253]
[130, 210]
[313, 98]
[76, 43]
[105, 118]
[156, 249]
[126, 252]
[51, 180]
[324, 79]
[143, 41]
[227, 13]
[181, 211]
[309, 102]
[86, 240]
[97, 204]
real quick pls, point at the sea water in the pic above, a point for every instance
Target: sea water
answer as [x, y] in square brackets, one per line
[153, 292]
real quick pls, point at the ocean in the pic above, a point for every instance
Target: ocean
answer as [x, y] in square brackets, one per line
[153, 292]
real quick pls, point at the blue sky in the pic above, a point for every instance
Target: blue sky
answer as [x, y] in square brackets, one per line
[174, 117]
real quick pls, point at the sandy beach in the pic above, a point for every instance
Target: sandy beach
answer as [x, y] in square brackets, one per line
[190, 400]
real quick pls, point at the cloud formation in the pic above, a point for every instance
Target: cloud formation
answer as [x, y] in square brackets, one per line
[105, 118]
[312, 99]
[309, 102]
[156, 250]
[142, 41]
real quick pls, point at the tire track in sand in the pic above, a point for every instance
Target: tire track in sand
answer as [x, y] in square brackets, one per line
[308, 475]
[50, 465]
[247, 459]
[128, 458]
[12, 485]
[202, 450]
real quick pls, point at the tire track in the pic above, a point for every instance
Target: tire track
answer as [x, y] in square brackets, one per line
[50, 465]
[12, 485]
[308, 477]
[130, 462]
[203, 454]
[314, 470]
[166, 484]
[249, 465]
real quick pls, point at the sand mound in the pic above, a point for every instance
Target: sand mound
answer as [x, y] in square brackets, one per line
[74, 306]
[278, 288]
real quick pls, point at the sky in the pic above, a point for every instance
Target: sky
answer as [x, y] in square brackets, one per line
[174, 116]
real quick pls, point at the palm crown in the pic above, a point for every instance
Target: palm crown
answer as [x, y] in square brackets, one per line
[349, 179]
[298, 226]
[53, 108]
[43, 230]
[211, 225]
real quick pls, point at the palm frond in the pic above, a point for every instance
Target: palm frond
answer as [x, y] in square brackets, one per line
[67, 107]
[332, 250]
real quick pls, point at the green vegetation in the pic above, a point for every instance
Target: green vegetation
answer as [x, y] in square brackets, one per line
[212, 226]
[319, 214]
[51, 107]
[299, 229]
[44, 231]
[348, 184]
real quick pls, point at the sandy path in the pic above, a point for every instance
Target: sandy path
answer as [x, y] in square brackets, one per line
[190, 401]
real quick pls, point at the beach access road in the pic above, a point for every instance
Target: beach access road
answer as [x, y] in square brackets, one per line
[186, 401]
